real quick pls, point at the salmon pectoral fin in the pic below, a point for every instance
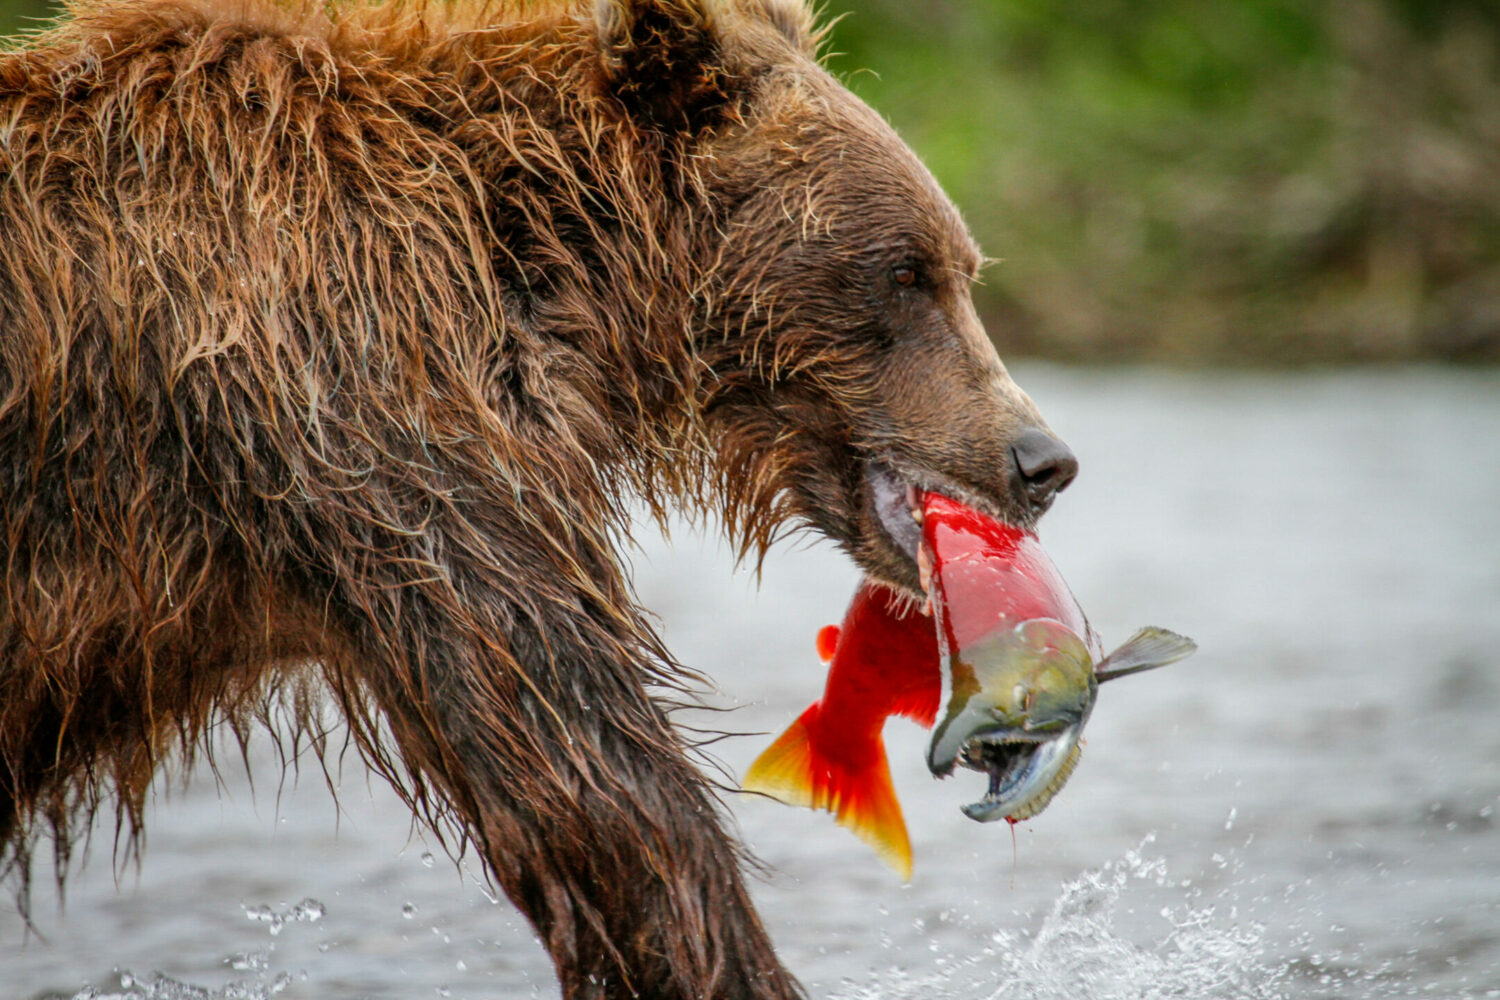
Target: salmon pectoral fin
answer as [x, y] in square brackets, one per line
[864, 800]
[828, 642]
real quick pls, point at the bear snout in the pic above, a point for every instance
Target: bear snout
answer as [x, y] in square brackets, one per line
[1043, 466]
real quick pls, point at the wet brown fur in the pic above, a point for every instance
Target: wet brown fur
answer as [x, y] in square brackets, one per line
[334, 345]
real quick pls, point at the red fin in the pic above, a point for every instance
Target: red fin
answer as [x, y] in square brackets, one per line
[828, 641]
[793, 770]
[920, 704]
[784, 770]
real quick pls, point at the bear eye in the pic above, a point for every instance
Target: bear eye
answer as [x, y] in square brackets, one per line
[904, 274]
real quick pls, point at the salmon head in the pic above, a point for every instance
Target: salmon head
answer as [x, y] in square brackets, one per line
[1020, 665]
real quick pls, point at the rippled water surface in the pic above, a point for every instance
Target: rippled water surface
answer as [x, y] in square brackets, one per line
[1304, 809]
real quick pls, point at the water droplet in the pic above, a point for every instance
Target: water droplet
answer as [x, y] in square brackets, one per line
[428, 860]
[462, 966]
[308, 911]
[249, 961]
[409, 910]
[264, 914]
[1229, 823]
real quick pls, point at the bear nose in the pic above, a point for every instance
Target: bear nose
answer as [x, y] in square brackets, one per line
[1046, 466]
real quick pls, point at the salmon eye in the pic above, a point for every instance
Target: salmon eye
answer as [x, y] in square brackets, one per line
[904, 275]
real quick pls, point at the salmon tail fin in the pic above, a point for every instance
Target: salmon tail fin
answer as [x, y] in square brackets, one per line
[868, 807]
[864, 800]
[784, 770]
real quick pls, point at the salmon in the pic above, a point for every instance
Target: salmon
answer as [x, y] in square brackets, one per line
[1001, 646]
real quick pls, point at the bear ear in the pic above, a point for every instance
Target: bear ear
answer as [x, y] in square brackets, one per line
[662, 61]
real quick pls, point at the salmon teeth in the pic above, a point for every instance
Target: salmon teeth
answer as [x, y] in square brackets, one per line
[1037, 803]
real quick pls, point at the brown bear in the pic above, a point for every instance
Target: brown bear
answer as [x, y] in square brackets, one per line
[336, 342]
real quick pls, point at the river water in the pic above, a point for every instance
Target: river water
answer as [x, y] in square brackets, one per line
[1305, 809]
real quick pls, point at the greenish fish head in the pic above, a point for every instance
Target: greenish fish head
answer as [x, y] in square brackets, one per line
[1018, 703]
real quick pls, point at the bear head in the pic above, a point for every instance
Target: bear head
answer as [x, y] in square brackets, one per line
[845, 369]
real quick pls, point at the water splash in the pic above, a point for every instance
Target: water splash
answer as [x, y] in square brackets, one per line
[306, 912]
[264, 986]
[160, 987]
[1080, 951]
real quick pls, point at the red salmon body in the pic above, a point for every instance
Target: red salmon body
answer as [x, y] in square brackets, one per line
[884, 663]
[988, 575]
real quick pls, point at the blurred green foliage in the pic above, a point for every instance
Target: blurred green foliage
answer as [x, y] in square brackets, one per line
[1274, 181]
[1271, 181]
[19, 15]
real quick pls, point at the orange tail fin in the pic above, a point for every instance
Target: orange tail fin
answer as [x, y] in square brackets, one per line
[792, 770]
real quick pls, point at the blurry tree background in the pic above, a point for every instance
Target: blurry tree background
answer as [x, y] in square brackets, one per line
[1266, 181]
[1185, 180]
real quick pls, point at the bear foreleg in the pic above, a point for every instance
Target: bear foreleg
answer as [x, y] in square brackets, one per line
[528, 718]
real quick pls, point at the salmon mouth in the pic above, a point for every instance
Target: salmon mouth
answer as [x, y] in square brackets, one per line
[1025, 771]
[1023, 698]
